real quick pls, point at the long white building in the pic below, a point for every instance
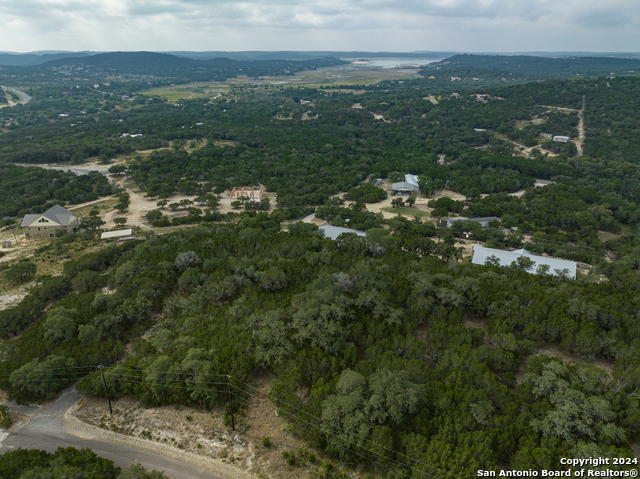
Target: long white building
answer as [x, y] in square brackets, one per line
[506, 258]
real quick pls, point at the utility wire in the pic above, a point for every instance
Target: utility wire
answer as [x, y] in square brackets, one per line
[269, 396]
[166, 383]
[342, 446]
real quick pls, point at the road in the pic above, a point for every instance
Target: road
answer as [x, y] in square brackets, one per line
[78, 171]
[580, 141]
[46, 431]
[25, 97]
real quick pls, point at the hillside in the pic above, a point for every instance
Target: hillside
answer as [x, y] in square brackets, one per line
[160, 65]
[541, 67]
[30, 59]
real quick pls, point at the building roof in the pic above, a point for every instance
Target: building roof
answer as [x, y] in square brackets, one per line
[486, 219]
[506, 258]
[115, 234]
[332, 232]
[56, 213]
[411, 179]
[403, 185]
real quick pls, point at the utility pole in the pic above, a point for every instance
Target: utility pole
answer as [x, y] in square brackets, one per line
[105, 388]
[233, 425]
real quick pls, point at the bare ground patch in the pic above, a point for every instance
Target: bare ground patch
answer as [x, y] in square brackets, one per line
[201, 436]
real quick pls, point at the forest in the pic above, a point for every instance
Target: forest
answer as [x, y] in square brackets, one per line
[34, 190]
[388, 351]
[375, 331]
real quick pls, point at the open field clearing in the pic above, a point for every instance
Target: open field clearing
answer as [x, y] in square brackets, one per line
[334, 76]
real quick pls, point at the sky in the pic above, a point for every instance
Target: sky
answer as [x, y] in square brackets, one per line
[337, 25]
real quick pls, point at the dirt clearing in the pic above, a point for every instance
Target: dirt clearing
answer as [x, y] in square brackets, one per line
[175, 431]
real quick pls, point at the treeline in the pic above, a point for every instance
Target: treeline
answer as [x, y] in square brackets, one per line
[67, 462]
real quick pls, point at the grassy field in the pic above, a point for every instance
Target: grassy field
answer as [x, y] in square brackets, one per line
[189, 91]
[330, 77]
[407, 211]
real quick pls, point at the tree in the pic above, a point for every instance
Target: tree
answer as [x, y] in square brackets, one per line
[162, 203]
[397, 203]
[186, 260]
[122, 207]
[117, 169]
[218, 190]
[120, 221]
[21, 272]
[411, 200]
[43, 379]
[92, 222]
[60, 325]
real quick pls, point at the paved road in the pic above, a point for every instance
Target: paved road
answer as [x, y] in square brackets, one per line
[46, 431]
[25, 97]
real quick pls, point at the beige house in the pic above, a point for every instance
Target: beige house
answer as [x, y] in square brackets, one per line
[44, 226]
[252, 193]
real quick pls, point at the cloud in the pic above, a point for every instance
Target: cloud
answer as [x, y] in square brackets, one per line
[470, 25]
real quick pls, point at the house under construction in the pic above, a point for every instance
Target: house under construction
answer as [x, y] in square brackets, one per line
[252, 193]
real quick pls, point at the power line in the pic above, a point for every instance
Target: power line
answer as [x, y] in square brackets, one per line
[161, 382]
[339, 427]
[343, 447]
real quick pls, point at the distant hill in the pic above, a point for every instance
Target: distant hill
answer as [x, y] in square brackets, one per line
[541, 67]
[162, 65]
[30, 59]
[293, 55]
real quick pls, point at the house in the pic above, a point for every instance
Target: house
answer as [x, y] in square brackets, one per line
[44, 225]
[561, 139]
[484, 222]
[506, 258]
[332, 232]
[252, 193]
[412, 179]
[402, 188]
[410, 186]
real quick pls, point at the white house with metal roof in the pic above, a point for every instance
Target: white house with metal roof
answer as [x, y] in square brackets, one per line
[507, 258]
[332, 232]
[483, 222]
[44, 225]
[409, 186]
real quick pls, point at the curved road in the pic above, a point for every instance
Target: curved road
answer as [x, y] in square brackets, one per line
[46, 431]
[25, 97]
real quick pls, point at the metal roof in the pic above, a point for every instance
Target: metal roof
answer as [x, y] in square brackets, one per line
[56, 213]
[506, 258]
[411, 179]
[403, 185]
[332, 232]
[115, 234]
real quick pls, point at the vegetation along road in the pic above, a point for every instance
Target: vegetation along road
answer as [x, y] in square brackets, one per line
[47, 431]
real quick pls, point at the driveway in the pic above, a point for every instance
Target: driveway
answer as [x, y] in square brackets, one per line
[46, 431]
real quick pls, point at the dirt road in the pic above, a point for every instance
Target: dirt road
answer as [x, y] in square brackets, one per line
[580, 141]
